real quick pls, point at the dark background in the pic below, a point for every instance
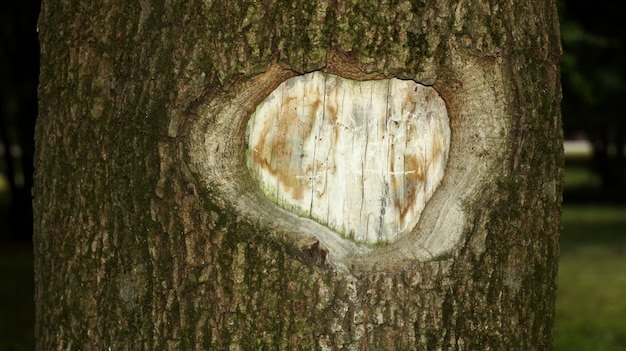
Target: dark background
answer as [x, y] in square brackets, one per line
[594, 94]
[19, 71]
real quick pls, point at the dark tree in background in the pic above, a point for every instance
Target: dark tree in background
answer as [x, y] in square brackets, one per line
[594, 84]
[19, 70]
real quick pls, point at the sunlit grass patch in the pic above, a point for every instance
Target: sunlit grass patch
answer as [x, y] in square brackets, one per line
[591, 300]
[580, 176]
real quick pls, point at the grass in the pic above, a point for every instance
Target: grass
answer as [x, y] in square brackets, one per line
[591, 299]
[579, 176]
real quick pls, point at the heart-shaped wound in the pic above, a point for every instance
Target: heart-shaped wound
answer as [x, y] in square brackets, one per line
[361, 157]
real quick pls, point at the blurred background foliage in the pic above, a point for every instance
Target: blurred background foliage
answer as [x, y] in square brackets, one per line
[591, 298]
[593, 77]
[19, 71]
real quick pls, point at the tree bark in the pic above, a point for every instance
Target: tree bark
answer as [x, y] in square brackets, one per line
[150, 234]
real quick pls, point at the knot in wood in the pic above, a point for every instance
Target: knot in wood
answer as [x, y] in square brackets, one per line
[360, 157]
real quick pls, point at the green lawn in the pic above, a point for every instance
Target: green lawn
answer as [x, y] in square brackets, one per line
[591, 300]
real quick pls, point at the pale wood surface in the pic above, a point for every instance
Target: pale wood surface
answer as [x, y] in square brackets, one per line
[362, 157]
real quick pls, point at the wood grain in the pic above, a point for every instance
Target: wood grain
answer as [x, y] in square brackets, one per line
[361, 157]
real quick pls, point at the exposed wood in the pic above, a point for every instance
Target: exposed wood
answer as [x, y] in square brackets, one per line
[469, 99]
[362, 157]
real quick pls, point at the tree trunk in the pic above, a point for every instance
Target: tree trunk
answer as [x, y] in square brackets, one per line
[151, 233]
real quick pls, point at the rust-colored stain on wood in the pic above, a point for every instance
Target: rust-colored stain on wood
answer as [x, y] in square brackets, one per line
[361, 157]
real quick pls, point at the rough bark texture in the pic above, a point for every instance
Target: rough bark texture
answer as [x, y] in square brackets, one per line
[135, 251]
